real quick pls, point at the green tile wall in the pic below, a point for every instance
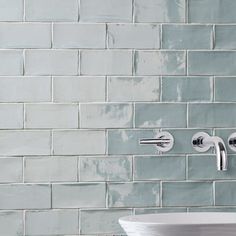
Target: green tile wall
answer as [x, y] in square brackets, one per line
[82, 81]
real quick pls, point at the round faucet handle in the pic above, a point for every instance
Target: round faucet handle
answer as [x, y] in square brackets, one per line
[232, 142]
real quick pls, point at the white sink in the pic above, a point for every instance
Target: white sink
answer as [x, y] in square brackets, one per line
[180, 224]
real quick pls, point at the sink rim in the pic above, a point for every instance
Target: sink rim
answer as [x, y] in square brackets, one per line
[135, 219]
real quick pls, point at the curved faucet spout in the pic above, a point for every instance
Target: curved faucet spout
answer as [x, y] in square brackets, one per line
[203, 141]
[221, 153]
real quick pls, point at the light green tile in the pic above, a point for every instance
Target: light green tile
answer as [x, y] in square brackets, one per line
[212, 11]
[225, 89]
[211, 63]
[225, 193]
[102, 115]
[225, 36]
[187, 89]
[187, 36]
[121, 89]
[101, 222]
[105, 168]
[219, 115]
[159, 168]
[77, 195]
[159, 62]
[137, 194]
[187, 194]
[159, 10]
[127, 142]
[183, 140]
[160, 115]
[215, 209]
[139, 211]
[204, 167]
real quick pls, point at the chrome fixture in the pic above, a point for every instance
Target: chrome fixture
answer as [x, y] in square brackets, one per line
[232, 142]
[164, 141]
[202, 142]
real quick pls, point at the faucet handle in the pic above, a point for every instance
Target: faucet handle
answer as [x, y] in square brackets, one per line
[198, 144]
[164, 141]
[232, 142]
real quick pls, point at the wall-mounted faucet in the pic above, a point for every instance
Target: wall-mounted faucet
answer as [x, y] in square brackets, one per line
[202, 142]
[164, 141]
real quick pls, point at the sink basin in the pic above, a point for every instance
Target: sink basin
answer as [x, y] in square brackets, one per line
[180, 224]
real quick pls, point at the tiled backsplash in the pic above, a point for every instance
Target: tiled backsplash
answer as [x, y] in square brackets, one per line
[81, 81]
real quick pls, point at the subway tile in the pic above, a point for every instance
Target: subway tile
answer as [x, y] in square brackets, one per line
[159, 63]
[11, 62]
[73, 142]
[50, 169]
[187, 36]
[14, 219]
[25, 196]
[11, 170]
[157, 115]
[11, 10]
[224, 89]
[127, 142]
[25, 35]
[116, 115]
[225, 36]
[79, 89]
[78, 195]
[183, 140]
[51, 10]
[139, 211]
[187, 194]
[211, 63]
[212, 11]
[136, 194]
[74, 35]
[225, 193]
[25, 89]
[106, 62]
[159, 167]
[106, 11]
[214, 115]
[141, 36]
[15, 143]
[11, 116]
[159, 11]
[92, 221]
[52, 222]
[121, 89]
[51, 62]
[51, 116]
[204, 168]
[115, 168]
[186, 89]
[215, 209]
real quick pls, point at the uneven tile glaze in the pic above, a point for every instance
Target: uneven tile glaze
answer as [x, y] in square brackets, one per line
[187, 194]
[187, 37]
[185, 89]
[159, 63]
[159, 10]
[160, 115]
[106, 115]
[135, 194]
[121, 89]
[105, 168]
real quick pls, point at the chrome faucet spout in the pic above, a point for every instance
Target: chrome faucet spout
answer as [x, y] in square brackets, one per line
[203, 142]
[221, 153]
